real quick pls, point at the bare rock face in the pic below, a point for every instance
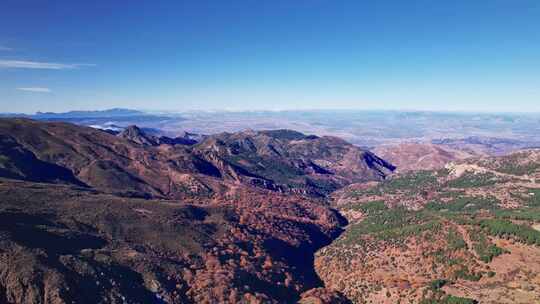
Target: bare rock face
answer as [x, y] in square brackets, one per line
[136, 135]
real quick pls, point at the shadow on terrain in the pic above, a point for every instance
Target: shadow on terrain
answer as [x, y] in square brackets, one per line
[34, 231]
[18, 163]
[302, 258]
[90, 279]
[129, 284]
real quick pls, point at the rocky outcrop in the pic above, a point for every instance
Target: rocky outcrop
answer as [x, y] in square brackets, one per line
[136, 135]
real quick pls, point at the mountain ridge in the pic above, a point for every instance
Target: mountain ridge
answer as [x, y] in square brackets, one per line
[163, 171]
[148, 224]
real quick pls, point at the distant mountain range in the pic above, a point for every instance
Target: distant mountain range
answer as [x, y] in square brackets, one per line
[113, 119]
[116, 112]
[474, 133]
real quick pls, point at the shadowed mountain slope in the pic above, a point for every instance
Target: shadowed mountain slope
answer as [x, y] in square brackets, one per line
[136, 164]
[289, 161]
[60, 243]
[74, 226]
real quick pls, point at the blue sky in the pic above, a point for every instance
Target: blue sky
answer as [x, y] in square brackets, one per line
[249, 55]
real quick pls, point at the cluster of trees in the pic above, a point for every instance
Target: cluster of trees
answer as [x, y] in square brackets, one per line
[505, 228]
[449, 299]
[455, 240]
[473, 180]
[437, 284]
[369, 208]
[464, 273]
[389, 224]
[488, 253]
[411, 181]
[465, 204]
[512, 165]
[532, 214]
[485, 250]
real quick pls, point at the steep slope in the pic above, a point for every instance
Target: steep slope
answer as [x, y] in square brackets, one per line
[19, 163]
[99, 159]
[73, 226]
[289, 161]
[60, 244]
[136, 135]
[135, 164]
[416, 156]
[467, 233]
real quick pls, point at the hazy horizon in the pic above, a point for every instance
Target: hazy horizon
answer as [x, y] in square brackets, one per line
[242, 55]
[225, 110]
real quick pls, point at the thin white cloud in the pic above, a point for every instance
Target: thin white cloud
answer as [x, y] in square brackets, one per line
[5, 48]
[35, 90]
[23, 64]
